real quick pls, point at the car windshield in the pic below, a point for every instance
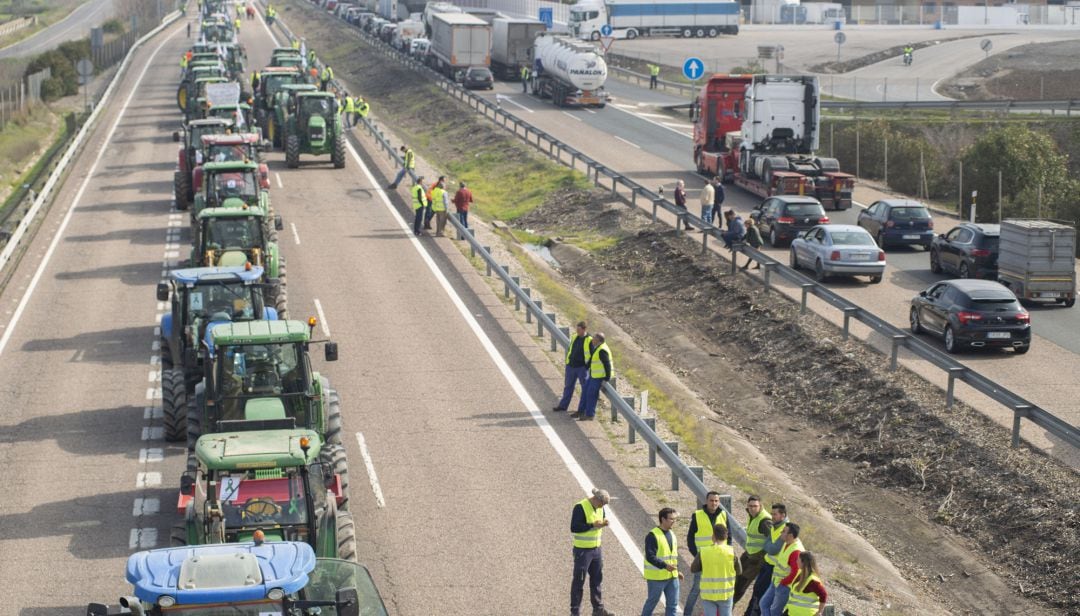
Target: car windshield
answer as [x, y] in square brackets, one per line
[240, 184]
[851, 238]
[804, 209]
[908, 213]
[238, 233]
[249, 501]
[260, 369]
[247, 608]
[211, 299]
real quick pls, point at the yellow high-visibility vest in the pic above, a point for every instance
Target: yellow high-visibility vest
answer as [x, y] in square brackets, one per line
[667, 553]
[590, 538]
[781, 569]
[802, 603]
[755, 539]
[437, 203]
[418, 196]
[774, 535]
[717, 572]
[705, 527]
[586, 347]
[596, 367]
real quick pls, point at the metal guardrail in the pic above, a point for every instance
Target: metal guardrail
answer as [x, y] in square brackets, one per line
[601, 175]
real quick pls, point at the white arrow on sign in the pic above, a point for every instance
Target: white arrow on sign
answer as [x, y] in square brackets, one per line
[695, 69]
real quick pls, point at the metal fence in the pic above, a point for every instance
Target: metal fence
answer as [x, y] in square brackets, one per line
[928, 14]
[16, 99]
[637, 195]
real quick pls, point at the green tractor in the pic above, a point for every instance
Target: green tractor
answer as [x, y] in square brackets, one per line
[281, 481]
[286, 56]
[280, 108]
[188, 158]
[272, 79]
[232, 184]
[195, 98]
[314, 127]
[193, 86]
[236, 237]
[253, 366]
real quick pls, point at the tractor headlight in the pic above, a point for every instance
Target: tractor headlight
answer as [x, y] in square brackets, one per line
[275, 594]
[166, 601]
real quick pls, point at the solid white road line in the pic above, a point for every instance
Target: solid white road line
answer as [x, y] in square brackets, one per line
[373, 479]
[277, 176]
[570, 115]
[628, 142]
[639, 116]
[322, 318]
[503, 97]
[295, 233]
[75, 202]
[507, 372]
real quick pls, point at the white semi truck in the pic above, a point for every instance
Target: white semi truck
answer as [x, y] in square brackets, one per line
[458, 41]
[512, 44]
[633, 18]
[569, 72]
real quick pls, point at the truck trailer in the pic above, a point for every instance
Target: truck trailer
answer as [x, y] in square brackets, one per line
[633, 18]
[760, 132]
[458, 41]
[1037, 260]
[568, 71]
[512, 44]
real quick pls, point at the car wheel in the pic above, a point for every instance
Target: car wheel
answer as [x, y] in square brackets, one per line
[1069, 302]
[794, 260]
[964, 271]
[916, 324]
[875, 279]
[819, 271]
[881, 240]
[773, 241]
[951, 345]
[935, 262]
[631, 34]
[1020, 350]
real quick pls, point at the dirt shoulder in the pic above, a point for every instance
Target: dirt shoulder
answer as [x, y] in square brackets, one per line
[1047, 71]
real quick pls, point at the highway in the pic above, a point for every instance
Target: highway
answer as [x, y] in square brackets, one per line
[631, 137]
[450, 415]
[77, 25]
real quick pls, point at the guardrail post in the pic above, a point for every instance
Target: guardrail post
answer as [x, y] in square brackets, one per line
[725, 500]
[487, 264]
[472, 245]
[680, 223]
[614, 184]
[506, 287]
[897, 340]
[651, 422]
[1020, 410]
[629, 400]
[806, 286]
[528, 314]
[633, 196]
[954, 373]
[554, 342]
[540, 327]
[655, 207]
[849, 312]
[829, 610]
[674, 445]
[706, 231]
[517, 298]
[768, 274]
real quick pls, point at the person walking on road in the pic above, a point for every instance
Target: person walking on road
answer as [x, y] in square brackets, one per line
[808, 595]
[420, 205]
[587, 522]
[601, 368]
[708, 194]
[773, 544]
[718, 195]
[715, 564]
[662, 565]
[440, 205]
[758, 526]
[462, 201]
[753, 238]
[408, 164]
[576, 368]
[700, 535]
[654, 75]
[784, 571]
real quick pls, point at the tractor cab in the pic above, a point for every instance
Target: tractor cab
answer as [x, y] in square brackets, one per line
[195, 98]
[237, 113]
[186, 91]
[236, 148]
[246, 579]
[225, 184]
[235, 57]
[286, 56]
[240, 236]
[216, 29]
[314, 127]
[281, 106]
[190, 155]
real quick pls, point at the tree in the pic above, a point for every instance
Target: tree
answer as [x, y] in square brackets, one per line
[1029, 162]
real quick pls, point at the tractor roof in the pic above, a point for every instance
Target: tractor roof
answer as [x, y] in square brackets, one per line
[233, 139]
[220, 573]
[281, 70]
[231, 212]
[316, 94]
[280, 51]
[257, 449]
[191, 276]
[298, 87]
[215, 79]
[230, 165]
[261, 332]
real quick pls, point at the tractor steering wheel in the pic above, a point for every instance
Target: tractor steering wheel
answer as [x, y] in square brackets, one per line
[261, 508]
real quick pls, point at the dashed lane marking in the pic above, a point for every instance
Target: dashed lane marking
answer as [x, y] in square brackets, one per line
[630, 143]
[322, 318]
[570, 115]
[143, 538]
[277, 176]
[373, 478]
[295, 233]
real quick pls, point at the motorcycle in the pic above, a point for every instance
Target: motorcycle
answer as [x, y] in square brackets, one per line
[908, 58]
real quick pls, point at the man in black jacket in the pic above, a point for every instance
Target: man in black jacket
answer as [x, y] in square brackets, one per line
[587, 523]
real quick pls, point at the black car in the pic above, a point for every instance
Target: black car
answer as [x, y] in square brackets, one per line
[969, 250]
[972, 314]
[478, 78]
[783, 217]
[898, 221]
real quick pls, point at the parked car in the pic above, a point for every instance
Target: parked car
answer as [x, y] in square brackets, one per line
[838, 250]
[478, 78]
[898, 222]
[972, 313]
[783, 217]
[969, 250]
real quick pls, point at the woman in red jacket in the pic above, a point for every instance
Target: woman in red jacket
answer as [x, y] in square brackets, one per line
[808, 594]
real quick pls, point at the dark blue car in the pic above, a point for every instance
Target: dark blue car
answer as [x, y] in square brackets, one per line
[898, 222]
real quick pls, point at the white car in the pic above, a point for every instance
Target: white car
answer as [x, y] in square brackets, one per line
[838, 250]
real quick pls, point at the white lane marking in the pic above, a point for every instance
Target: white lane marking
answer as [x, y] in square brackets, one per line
[295, 233]
[501, 97]
[268, 30]
[75, 202]
[628, 142]
[653, 115]
[590, 110]
[277, 176]
[153, 393]
[143, 538]
[570, 115]
[678, 126]
[153, 376]
[153, 412]
[153, 433]
[146, 506]
[151, 454]
[147, 480]
[322, 318]
[586, 484]
[637, 115]
[373, 479]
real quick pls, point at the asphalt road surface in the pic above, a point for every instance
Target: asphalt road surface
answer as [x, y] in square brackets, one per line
[77, 25]
[475, 484]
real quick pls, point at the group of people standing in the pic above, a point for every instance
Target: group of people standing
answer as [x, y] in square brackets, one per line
[434, 202]
[588, 363]
[738, 229]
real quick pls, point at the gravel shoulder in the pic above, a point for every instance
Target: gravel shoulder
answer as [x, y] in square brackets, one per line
[1049, 71]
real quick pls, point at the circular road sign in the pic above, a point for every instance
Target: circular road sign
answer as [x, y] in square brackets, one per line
[986, 44]
[84, 68]
[840, 38]
[693, 68]
[605, 30]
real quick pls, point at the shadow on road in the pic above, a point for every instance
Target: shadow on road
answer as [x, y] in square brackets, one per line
[144, 237]
[138, 274]
[127, 344]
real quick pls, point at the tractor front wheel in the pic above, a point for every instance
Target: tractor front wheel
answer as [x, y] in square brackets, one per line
[174, 404]
[346, 536]
[333, 418]
[338, 155]
[194, 422]
[292, 152]
[178, 535]
[333, 457]
[181, 189]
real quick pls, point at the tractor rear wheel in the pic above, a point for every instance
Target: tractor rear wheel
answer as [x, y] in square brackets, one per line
[174, 404]
[178, 535]
[292, 152]
[281, 305]
[338, 155]
[346, 536]
[334, 458]
[166, 354]
[181, 190]
[194, 422]
[333, 418]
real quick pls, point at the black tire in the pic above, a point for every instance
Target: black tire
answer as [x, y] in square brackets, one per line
[292, 152]
[346, 536]
[876, 279]
[965, 272]
[595, 36]
[174, 404]
[1020, 350]
[165, 354]
[182, 190]
[194, 420]
[819, 271]
[951, 345]
[687, 33]
[333, 458]
[178, 535]
[631, 34]
[1069, 303]
[935, 262]
[338, 155]
[713, 33]
[793, 260]
[773, 240]
[916, 323]
[281, 305]
[334, 423]
[700, 33]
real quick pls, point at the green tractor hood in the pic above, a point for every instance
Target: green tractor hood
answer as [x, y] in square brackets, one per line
[317, 131]
[257, 449]
[232, 258]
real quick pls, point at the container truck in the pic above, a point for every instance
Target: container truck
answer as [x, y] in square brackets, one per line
[633, 18]
[1037, 260]
[433, 8]
[760, 132]
[511, 45]
[567, 71]
[458, 41]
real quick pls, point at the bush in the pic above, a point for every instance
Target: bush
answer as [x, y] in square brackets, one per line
[906, 148]
[113, 26]
[61, 61]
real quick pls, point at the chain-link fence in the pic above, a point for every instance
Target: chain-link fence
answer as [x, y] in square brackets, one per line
[16, 99]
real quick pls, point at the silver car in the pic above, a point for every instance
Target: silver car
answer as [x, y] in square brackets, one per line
[838, 250]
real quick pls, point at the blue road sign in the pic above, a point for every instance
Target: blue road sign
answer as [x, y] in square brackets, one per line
[693, 68]
[605, 30]
[547, 16]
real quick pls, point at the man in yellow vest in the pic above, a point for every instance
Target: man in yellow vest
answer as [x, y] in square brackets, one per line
[702, 524]
[577, 367]
[362, 109]
[654, 74]
[440, 202]
[524, 79]
[601, 369]
[587, 522]
[325, 77]
[420, 205]
[773, 543]
[349, 109]
[183, 65]
[758, 526]
[784, 571]
[715, 564]
[408, 164]
[662, 565]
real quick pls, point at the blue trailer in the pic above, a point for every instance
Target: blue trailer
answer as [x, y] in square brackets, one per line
[633, 18]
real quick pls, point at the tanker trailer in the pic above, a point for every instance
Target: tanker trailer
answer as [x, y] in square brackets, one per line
[568, 71]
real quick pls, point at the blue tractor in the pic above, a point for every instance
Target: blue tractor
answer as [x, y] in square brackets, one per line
[200, 297]
[244, 579]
